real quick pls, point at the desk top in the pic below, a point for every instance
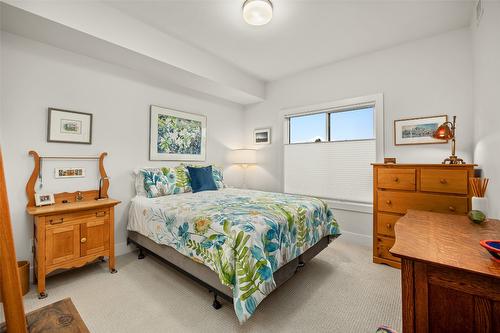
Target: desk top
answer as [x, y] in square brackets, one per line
[446, 240]
[60, 208]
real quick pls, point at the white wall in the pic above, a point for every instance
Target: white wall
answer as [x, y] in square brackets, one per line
[430, 77]
[486, 46]
[36, 76]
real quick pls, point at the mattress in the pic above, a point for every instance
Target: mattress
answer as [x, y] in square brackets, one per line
[242, 235]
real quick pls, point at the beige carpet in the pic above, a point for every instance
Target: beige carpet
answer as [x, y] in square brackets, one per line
[339, 291]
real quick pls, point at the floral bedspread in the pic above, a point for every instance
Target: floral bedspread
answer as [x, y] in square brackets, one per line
[242, 235]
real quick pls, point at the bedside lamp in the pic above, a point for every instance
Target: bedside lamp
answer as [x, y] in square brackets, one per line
[244, 157]
[447, 132]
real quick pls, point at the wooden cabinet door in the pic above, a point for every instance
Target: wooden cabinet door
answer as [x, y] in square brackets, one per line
[95, 236]
[62, 244]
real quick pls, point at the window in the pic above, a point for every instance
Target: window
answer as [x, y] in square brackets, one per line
[352, 125]
[310, 128]
[346, 137]
[343, 125]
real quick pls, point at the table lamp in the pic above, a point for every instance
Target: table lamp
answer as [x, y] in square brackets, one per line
[447, 132]
[244, 157]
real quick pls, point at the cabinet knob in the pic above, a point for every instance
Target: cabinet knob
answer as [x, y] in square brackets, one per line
[83, 240]
[389, 226]
[443, 181]
[451, 208]
[388, 202]
[396, 179]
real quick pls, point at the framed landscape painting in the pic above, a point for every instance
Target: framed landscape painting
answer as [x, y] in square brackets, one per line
[69, 126]
[417, 131]
[176, 135]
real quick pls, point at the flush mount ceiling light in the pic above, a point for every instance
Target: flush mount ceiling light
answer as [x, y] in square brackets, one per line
[257, 12]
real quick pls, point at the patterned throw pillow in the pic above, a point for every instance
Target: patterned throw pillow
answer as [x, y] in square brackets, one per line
[180, 177]
[216, 173]
[167, 181]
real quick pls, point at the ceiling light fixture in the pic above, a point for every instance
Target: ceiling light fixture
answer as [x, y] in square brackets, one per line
[257, 12]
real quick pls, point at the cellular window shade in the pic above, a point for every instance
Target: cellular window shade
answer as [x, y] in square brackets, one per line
[331, 170]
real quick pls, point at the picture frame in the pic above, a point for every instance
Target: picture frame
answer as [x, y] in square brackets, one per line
[66, 126]
[418, 131]
[262, 136]
[44, 199]
[70, 172]
[176, 135]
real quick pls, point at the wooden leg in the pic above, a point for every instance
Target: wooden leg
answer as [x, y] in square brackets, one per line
[42, 293]
[112, 241]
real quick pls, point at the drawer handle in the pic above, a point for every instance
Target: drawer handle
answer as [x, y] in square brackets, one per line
[83, 240]
[99, 214]
[396, 179]
[389, 226]
[389, 202]
[452, 209]
[443, 181]
[61, 220]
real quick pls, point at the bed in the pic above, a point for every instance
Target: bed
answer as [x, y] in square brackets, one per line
[240, 244]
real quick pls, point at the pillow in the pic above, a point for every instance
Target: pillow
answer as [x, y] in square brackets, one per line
[216, 173]
[139, 180]
[156, 184]
[202, 179]
[180, 177]
[165, 181]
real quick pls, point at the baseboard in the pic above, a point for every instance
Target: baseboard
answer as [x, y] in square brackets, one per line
[358, 239]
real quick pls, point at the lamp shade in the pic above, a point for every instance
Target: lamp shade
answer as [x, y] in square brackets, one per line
[244, 156]
[444, 132]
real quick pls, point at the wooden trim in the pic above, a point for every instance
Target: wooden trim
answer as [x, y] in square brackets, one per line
[9, 283]
[30, 186]
[421, 297]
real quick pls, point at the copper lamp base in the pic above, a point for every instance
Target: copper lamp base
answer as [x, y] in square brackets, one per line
[453, 159]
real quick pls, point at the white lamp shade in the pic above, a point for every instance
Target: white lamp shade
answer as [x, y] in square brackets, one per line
[244, 156]
[257, 12]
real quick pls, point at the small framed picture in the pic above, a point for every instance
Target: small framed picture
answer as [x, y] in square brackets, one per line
[69, 172]
[69, 126]
[43, 199]
[417, 131]
[262, 136]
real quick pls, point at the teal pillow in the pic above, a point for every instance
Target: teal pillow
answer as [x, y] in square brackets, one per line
[202, 179]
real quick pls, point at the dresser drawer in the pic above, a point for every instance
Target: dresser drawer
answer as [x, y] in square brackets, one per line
[396, 179]
[53, 221]
[444, 181]
[400, 202]
[385, 224]
[384, 244]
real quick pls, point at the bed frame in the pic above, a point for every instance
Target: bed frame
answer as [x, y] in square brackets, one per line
[208, 278]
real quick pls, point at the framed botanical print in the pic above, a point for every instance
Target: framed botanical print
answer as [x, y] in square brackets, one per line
[176, 135]
[69, 126]
[417, 131]
[262, 136]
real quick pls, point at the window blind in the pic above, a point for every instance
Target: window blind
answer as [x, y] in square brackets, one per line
[331, 170]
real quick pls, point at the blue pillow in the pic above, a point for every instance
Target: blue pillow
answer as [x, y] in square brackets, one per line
[202, 179]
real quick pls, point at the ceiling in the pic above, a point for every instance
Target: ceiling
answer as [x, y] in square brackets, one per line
[303, 34]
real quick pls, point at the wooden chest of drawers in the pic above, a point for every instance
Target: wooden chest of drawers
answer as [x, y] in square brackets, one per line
[68, 235]
[428, 187]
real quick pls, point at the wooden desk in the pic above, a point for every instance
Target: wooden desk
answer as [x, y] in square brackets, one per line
[449, 282]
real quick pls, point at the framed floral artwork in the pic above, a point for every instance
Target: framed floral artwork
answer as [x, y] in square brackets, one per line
[176, 135]
[69, 126]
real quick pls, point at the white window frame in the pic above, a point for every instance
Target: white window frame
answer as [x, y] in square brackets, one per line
[376, 101]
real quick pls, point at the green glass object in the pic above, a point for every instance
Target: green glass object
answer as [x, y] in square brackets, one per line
[477, 216]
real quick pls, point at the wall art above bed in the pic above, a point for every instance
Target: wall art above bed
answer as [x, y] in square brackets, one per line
[176, 135]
